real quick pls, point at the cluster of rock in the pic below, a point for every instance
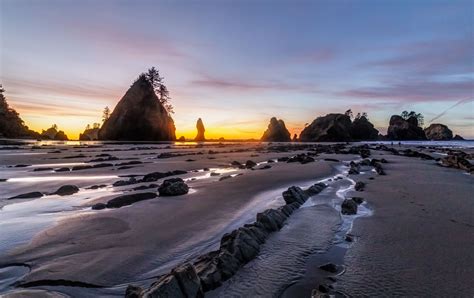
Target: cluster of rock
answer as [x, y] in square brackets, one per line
[404, 129]
[276, 132]
[53, 133]
[139, 116]
[458, 160]
[236, 249]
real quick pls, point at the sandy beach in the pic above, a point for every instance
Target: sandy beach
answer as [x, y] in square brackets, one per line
[59, 245]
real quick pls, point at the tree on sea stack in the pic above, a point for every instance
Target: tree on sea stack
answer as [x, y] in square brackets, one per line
[143, 113]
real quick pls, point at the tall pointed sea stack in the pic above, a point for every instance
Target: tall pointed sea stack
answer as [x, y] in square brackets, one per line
[200, 131]
[139, 116]
[276, 132]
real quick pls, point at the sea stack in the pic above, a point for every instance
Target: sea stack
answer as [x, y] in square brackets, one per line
[139, 116]
[438, 132]
[329, 128]
[362, 129]
[200, 131]
[401, 129]
[276, 132]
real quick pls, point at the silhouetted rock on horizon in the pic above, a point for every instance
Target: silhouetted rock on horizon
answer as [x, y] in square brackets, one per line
[458, 138]
[53, 133]
[329, 128]
[362, 129]
[401, 129]
[200, 131]
[276, 132]
[438, 132]
[90, 134]
[139, 116]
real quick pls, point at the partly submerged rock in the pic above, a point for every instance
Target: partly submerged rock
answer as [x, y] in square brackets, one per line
[29, 195]
[130, 199]
[67, 190]
[329, 128]
[139, 116]
[438, 132]
[173, 187]
[349, 207]
[200, 131]
[276, 132]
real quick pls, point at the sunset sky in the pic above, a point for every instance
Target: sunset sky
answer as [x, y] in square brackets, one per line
[235, 64]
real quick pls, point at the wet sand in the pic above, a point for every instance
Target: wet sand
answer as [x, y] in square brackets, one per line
[103, 251]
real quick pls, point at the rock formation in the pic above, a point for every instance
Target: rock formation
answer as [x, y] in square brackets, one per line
[276, 132]
[139, 116]
[401, 129]
[90, 134]
[438, 132]
[329, 128]
[362, 129]
[200, 131]
[458, 138]
[53, 133]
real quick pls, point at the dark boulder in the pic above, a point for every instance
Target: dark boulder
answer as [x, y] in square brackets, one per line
[358, 200]
[276, 132]
[362, 129]
[401, 129]
[359, 186]
[250, 164]
[126, 200]
[67, 190]
[133, 292]
[29, 195]
[329, 267]
[438, 132]
[99, 206]
[458, 138]
[139, 116]
[173, 187]
[329, 128]
[200, 131]
[349, 207]
[295, 194]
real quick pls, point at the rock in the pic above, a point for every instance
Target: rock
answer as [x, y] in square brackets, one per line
[362, 129]
[133, 292]
[276, 132]
[265, 167]
[315, 189]
[181, 139]
[200, 131]
[166, 287]
[358, 200]
[188, 280]
[42, 169]
[67, 190]
[354, 168]
[151, 177]
[457, 161]
[329, 128]
[359, 186]
[438, 132]
[295, 194]
[52, 133]
[130, 181]
[90, 134]
[250, 164]
[225, 178]
[126, 200]
[458, 138]
[401, 129]
[139, 116]
[329, 267]
[173, 187]
[349, 207]
[271, 219]
[301, 158]
[99, 206]
[29, 195]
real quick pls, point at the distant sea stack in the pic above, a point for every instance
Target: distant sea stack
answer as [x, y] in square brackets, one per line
[276, 132]
[139, 116]
[363, 130]
[200, 131]
[404, 129]
[329, 128]
[53, 133]
[438, 132]
[89, 134]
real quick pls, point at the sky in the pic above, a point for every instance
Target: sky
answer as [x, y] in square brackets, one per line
[237, 63]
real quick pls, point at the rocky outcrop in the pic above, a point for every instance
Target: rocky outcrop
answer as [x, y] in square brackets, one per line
[200, 131]
[363, 130]
[438, 132]
[139, 116]
[90, 134]
[53, 133]
[276, 132]
[458, 138]
[458, 161]
[401, 129]
[329, 128]
[236, 249]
